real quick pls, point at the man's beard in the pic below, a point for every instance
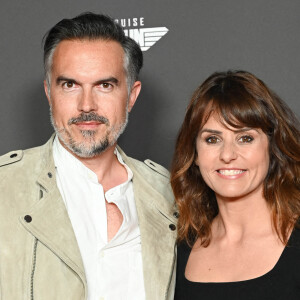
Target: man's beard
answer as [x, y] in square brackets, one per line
[90, 147]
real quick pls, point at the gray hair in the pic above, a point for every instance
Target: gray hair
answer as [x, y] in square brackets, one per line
[92, 26]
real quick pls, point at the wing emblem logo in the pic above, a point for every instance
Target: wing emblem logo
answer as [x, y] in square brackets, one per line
[146, 37]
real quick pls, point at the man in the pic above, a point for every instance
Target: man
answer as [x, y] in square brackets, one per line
[80, 219]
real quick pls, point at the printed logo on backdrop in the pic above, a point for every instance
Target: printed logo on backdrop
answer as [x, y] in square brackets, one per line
[145, 37]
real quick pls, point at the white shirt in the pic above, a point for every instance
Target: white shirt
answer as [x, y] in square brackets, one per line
[114, 269]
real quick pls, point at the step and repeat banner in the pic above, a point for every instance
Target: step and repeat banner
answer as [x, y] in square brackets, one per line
[183, 43]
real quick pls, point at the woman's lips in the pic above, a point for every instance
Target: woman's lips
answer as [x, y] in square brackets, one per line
[231, 173]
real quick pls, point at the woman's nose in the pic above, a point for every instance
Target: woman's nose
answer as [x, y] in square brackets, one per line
[228, 152]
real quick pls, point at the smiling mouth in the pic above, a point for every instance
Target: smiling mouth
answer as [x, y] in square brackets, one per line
[230, 172]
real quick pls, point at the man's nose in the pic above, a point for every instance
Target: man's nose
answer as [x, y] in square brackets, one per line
[87, 101]
[228, 152]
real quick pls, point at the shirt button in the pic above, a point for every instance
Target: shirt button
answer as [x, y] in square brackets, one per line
[102, 255]
[101, 298]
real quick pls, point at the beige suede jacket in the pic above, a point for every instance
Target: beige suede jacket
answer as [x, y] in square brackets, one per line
[39, 255]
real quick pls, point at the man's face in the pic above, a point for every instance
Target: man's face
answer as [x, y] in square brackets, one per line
[88, 95]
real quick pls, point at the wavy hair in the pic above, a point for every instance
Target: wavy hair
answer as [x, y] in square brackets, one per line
[241, 100]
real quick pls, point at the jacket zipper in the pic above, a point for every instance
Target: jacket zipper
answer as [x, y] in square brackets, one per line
[33, 269]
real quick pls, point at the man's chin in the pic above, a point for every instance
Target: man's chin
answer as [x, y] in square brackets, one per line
[88, 134]
[87, 143]
[86, 149]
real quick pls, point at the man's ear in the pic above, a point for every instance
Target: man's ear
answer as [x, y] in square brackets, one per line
[135, 91]
[47, 91]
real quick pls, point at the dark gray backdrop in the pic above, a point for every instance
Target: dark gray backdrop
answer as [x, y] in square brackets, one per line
[204, 36]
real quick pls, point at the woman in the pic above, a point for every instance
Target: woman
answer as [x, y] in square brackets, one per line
[235, 176]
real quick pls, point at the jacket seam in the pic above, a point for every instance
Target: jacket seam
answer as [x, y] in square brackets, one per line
[33, 268]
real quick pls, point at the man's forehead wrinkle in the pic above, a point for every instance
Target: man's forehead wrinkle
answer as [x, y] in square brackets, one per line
[89, 60]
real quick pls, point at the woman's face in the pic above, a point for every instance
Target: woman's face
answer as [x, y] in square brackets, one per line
[233, 162]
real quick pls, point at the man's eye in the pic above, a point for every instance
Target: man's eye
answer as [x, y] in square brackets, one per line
[106, 85]
[68, 84]
[246, 139]
[212, 140]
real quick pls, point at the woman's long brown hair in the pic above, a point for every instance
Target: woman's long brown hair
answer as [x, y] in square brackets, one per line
[241, 100]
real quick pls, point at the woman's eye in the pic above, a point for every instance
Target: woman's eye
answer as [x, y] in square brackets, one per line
[212, 140]
[246, 139]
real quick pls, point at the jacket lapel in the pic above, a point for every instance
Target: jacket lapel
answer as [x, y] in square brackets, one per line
[50, 222]
[155, 215]
[158, 244]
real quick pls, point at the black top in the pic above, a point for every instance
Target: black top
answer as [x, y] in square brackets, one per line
[282, 282]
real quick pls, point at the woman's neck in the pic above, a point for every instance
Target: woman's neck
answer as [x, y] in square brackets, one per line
[241, 218]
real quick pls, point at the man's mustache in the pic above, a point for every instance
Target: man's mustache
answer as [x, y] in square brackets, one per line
[86, 117]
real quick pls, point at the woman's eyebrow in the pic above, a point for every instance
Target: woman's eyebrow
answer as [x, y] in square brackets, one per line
[210, 131]
[220, 132]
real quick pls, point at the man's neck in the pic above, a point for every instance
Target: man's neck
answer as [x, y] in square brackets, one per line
[106, 166]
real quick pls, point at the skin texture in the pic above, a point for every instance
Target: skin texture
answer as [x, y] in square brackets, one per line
[88, 78]
[244, 245]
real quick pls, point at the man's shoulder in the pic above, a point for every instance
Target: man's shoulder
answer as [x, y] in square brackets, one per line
[150, 167]
[11, 157]
[146, 167]
[150, 175]
[16, 156]
[19, 160]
